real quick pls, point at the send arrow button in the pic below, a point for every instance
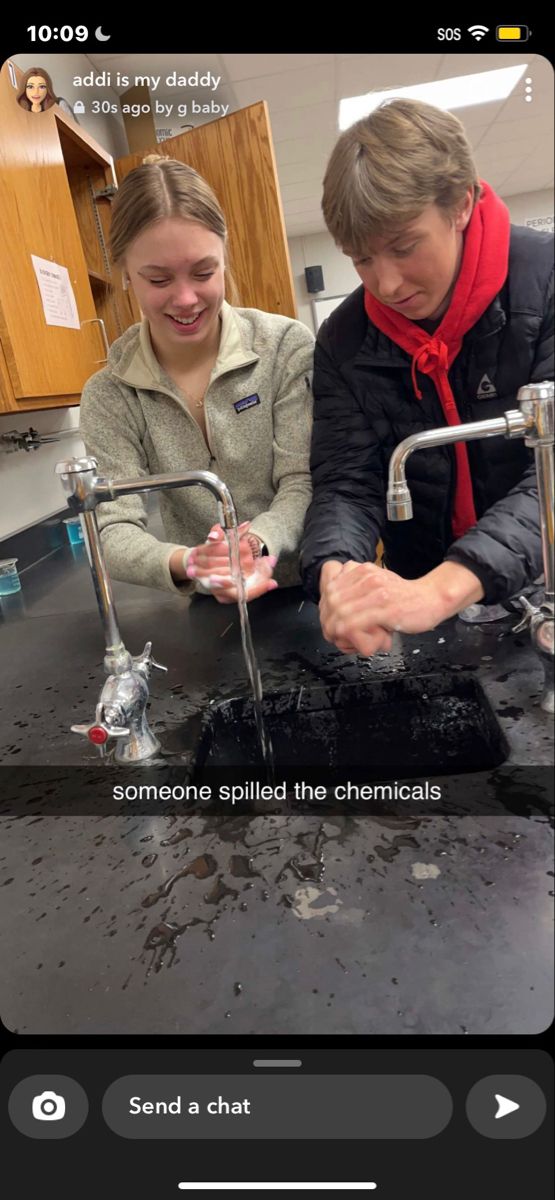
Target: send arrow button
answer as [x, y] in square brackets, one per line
[488, 1101]
[505, 1107]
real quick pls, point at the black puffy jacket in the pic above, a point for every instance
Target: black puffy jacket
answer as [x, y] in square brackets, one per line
[365, 405]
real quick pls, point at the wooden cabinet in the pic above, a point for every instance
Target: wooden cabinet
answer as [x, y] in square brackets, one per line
[236, 156]
[55, 184]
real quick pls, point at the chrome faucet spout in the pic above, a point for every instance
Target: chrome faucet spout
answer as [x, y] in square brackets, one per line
[109, 489]
[533, 421]
[399, 504]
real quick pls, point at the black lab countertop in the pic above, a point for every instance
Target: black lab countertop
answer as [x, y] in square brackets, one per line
[290, 923]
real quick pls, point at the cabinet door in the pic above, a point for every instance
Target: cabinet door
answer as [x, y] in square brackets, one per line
[46, 365]
[236, 157]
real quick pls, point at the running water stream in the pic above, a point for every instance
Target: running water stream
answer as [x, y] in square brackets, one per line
[266, 747]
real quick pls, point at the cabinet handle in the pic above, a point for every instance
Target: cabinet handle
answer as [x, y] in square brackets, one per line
[99, 321]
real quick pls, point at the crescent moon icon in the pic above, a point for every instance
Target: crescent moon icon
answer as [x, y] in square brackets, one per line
[100, 36]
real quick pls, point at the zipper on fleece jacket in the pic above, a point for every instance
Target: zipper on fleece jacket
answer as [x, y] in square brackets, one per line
[183, 406]
[207, 420]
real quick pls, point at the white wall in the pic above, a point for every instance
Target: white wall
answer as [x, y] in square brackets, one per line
[319, 250]
[528, 206]
[29, 488]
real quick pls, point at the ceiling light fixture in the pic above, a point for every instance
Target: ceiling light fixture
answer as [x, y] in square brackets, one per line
[460, 92]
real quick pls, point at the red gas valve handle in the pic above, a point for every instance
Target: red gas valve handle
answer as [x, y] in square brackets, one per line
[99, 731]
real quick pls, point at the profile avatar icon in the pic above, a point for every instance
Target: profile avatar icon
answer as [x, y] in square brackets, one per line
[37, 92]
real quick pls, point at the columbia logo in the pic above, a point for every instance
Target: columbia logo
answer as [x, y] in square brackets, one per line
[486, 389]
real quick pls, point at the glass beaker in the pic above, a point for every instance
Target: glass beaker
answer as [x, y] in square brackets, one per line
[74, 530]
[9, 577]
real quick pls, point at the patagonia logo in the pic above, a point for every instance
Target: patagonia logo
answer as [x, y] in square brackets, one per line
[248, 402]
[486, 389]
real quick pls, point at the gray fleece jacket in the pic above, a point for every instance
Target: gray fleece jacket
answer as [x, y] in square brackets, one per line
[258, 411]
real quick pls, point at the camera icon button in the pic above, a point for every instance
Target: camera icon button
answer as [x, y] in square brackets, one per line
[48, 1106]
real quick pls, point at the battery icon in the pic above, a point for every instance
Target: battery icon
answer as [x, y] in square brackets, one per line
[512, 33]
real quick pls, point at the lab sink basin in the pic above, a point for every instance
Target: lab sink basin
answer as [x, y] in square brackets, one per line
[404, 726]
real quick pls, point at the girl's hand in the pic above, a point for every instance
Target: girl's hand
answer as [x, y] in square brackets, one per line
[212, 557]
[256, 584]
[210, 565]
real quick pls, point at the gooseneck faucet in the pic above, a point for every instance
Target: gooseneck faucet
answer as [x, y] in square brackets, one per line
[533, 420]
[121, 710]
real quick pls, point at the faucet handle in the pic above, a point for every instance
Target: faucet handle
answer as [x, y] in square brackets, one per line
[530, 612]
[145, 661]
[100, 730]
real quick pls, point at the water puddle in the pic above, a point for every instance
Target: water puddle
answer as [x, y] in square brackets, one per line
[241, 867]
[201, 867]
[218, 892]
[308, 865]
[162, 941]
[388, 853]
[177, 837]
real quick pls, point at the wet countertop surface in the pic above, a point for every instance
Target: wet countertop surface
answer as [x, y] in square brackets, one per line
[294, 923]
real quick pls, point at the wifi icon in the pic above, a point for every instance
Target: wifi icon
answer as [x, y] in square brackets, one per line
[478, 31]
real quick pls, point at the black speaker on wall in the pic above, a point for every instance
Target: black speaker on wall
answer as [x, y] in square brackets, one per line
[314, 279]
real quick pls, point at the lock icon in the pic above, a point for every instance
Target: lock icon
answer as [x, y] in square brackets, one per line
[79, 107]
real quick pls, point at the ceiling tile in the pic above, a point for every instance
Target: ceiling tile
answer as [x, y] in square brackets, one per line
[509, 131]
[289, 89]
[317, 119]
[308, 225]
[533, 178]
[309, 204]
[300, 191]
[506, 152]
[472, 64]
[300, 172]
[304, 149]
[474, 115]
[374, 72]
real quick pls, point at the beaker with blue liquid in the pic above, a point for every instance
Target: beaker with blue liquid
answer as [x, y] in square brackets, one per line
[9, 577]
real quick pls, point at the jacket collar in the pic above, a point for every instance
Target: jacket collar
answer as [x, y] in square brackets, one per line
[138, 366]
[378, 350]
